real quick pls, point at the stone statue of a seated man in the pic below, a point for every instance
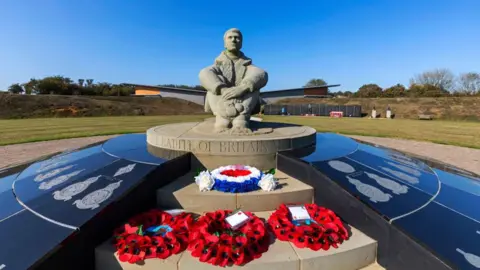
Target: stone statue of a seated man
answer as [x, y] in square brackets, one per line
[233, 86]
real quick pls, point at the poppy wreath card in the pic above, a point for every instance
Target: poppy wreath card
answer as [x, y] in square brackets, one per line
[213, 241]
[236, 179]
[323, 230]
[152, 234]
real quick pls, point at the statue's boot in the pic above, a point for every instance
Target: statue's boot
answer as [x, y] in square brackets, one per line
[240, 124]
[221, 124]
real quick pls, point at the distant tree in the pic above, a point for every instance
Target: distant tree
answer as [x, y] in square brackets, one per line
[122, 90]
[426, 90]
[195, 87]
[315, 82]
[441, 78]
[89, 82]
[15, 88]
[337, 93]
[30, 86]
[57, 85]
[397, 90]
[469, 83]
[348, 93]
[81, 82]
[369, 91]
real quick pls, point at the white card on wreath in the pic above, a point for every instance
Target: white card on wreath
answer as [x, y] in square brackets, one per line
[299, 212]
[237, 219]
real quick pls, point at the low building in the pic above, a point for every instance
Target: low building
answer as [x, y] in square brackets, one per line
[304, 92]
[195, 96]
[198, 96]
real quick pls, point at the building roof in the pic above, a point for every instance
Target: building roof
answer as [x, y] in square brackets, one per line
[165, 88]
[202, 91]
[302, 88]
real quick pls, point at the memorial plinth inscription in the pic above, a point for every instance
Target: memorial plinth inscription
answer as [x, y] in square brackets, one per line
[219, 147]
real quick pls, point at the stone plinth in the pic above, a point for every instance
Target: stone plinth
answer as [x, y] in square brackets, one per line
[216, 149]
[183, 193]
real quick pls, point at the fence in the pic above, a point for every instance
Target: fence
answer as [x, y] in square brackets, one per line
[316, 109]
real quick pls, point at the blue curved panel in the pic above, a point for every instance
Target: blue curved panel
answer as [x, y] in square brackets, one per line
[82, 198]
[8, 204]
[125, 142]
[131, 147]
[416, 177]
[440, 209]
[59, 161]
[387, 195]
[460, 194]
[393, 155]
[27, 238]
[33, 184]
[451, 235]
[140, 155]
[331, 146]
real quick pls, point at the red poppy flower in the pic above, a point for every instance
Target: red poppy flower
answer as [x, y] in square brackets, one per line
[222, 256]
[226, 240]
[151, 252]
[133, 255]
[240, 241]
[170, 237]
[133, 247]
[175, 248]
[163, 252]
[129, 229]
[197, 247]
[133, 239]
[299, 240]
[282, 234]
[254, 250]
[326, 230]
[206, 254]
[220, 215]
[238, 256]
[125, 257]
[211, 239]
[226, 246]
[283, 208]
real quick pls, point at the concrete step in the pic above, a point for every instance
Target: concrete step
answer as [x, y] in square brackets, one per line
[373, 266]
[356, 253]
[183, 193]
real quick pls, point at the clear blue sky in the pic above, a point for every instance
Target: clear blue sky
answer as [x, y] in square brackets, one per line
[158, 42]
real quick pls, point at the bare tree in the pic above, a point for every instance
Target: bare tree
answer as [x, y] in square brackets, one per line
[469, 83]
[441, 78]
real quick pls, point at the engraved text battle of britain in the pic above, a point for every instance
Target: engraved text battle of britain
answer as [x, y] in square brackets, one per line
[217, 147]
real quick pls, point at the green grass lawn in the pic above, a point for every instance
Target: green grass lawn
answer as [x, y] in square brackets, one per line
[444, 132]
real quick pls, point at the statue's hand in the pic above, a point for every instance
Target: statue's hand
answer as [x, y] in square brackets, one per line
[234, 92]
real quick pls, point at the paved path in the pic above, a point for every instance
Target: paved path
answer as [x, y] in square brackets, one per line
[465, 158]
[19, 153]
[462, 157]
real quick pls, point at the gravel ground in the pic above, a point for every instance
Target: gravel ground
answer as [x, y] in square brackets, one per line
[465, 158]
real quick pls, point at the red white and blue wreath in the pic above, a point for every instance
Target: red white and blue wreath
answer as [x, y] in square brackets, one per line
[236, 179]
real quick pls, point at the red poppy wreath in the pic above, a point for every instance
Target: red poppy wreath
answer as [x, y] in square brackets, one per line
[213, 241]
[152, 234]
[324, 229]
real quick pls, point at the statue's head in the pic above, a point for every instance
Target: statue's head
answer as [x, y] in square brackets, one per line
[232, 40]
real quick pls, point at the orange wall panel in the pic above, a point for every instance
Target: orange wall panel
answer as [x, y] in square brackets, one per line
[145, 92]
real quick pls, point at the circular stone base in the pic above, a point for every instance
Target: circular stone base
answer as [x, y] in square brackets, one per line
[216, 149]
